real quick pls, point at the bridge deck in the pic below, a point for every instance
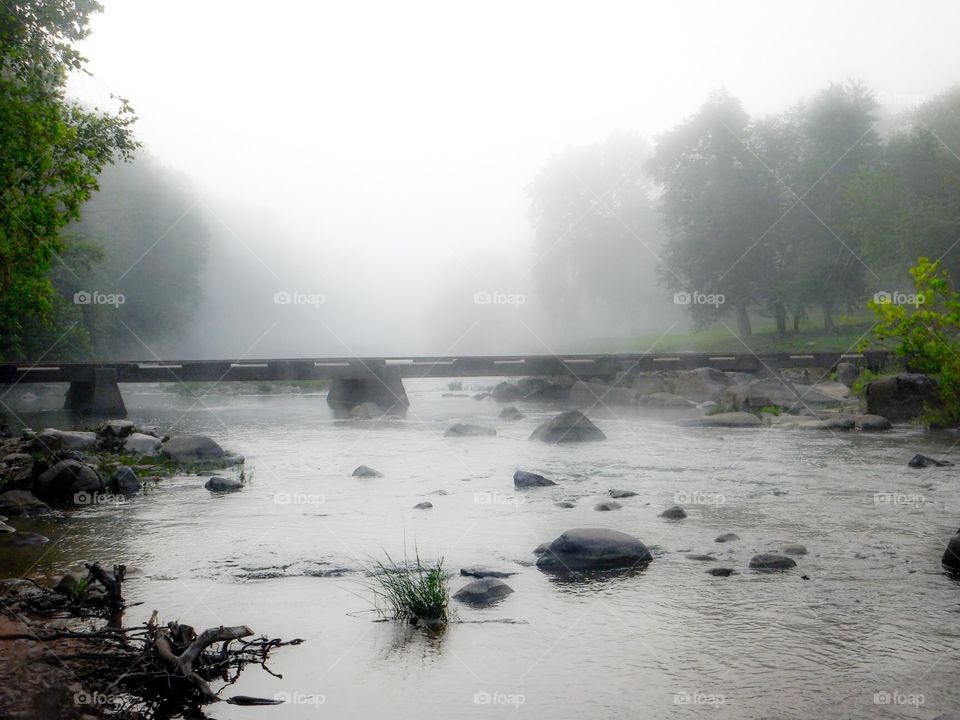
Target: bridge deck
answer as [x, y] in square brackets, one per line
[580, 366]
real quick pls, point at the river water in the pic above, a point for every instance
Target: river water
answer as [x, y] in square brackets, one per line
[874, 631]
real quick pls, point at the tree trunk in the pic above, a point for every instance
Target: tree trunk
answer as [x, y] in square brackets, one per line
[743, 322]
[796, 320]
[828, 324]
[780, 313]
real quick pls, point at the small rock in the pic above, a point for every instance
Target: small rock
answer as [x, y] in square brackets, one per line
[770, 561]
[511, 413]
[620, 494]
[425, 505]
[125, 481]
[721, 572]
[30, 539]
[218, 484]
[117, 428]
[21, 503]
[468, 430]
[702, 558]
[674, 513]
[483, 592]
[69, 581]
[565, 504]
[482, 571]
[364, 471]
[191, 448]
[366, 411]
[726, 537]
[922, 461]
[794, 549]
[871, 423]
[522, 479]
[724, 420]
[141, 444]
[607, 506]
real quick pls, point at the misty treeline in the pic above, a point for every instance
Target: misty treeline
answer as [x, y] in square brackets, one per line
[82, 271]
[815, 209]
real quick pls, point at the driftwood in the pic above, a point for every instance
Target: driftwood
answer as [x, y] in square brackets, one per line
[146, 671]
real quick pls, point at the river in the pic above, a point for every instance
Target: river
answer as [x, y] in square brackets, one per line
[872, 633]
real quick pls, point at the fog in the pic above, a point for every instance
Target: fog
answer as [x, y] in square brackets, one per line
[372, 160]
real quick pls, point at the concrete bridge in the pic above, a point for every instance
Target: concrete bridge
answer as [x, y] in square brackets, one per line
[94, 386]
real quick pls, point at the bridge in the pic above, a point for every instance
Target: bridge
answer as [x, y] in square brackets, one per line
[94, 386]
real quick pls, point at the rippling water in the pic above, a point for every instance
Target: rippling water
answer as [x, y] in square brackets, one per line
[876, 621]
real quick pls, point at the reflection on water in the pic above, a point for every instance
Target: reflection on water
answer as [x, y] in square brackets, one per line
[287, 556]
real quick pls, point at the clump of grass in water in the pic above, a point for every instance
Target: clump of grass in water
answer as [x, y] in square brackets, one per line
[412, 591]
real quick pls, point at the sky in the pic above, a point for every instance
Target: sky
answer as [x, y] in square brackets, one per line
[391, 143]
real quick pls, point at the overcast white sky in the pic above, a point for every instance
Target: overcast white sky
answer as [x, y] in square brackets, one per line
[411, 128]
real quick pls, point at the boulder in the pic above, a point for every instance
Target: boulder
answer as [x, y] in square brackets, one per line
[607, 505]
[66, 479]
[847, 373]
[524, 479]
[794, 549]
[541, 548]
[702, 384]
[922, 461]
[721, 572]
[667, 401]
[366, 411]
[117, 428]
[839, 422]
[51, 439]
[15, 458]
[871, 423]
[770, 561]
[591, 394]
[483, 592]
[675, 512]
[507, 392]
[649, 383]
[546, 391]
[218, 484]
[620, 494]
[4, 528]
[772, 392]
[468, 430]
[69, 581]
[511, 413]
[584, 549]
[565, 504]
[366, 472]
[142, 444]
[951, 556]
[21, 503]
[191, 448]
[901, 397]
[125, 481]
[482, 571]
[724, 420]
[425, 505]
[28, 538]
[571, 426]
[726, 537]
[702, 558]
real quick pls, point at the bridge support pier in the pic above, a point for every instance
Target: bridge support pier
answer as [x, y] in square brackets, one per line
[383, 387]
[98, 397]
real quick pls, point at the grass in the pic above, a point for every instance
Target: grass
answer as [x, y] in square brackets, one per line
[455, 386]
[412, 591]
[723, 338]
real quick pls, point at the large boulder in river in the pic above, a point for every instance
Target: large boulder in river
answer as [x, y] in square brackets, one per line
[763, 393]
[847, 373]
[483, 592]
[366, 472]
[507, 392]
[724, 420]
[951, 556]
[51, 439]
[649, 383]
[524, 479]
[218, 484]
[667, 401]
[771, 561]
[593, 549]
[21, 503]
[191, 448]
[871, 423]
[67, 479]
[570, 426]
[117, 428]
[124, 481]
[591, 394]
[702, 384]
[901, 397]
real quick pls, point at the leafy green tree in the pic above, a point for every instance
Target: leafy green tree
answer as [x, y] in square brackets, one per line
[51, 151]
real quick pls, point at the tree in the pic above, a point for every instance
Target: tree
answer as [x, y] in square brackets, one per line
[596, 228]
[51, 152]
